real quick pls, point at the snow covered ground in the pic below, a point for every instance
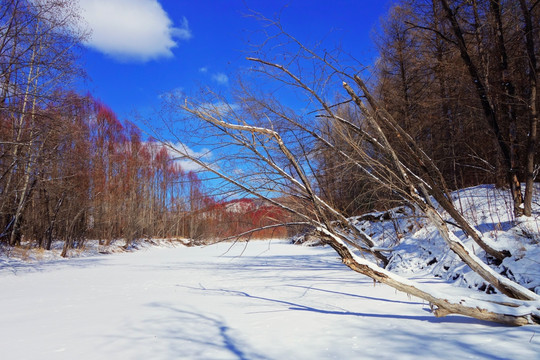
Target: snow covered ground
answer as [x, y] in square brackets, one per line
[269, 300]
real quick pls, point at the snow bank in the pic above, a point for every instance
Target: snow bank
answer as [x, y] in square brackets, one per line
[421, 249]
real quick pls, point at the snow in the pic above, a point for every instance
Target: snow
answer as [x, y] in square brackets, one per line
[489, 210]
[261, 300]
[271, 299]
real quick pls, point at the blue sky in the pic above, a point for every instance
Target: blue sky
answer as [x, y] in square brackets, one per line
[140, 49]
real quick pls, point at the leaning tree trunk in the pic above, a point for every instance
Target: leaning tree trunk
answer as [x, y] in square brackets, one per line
[419, 196]
[506, 311]
[500, 309]
[274, 156]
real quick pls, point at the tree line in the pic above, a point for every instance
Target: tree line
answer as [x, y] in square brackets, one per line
[70, 170]
[461, 77]
[75, 172]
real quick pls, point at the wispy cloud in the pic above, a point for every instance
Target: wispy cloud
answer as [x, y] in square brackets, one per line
[220, 78]
[218, 108]
[130, 30]
[174, 94]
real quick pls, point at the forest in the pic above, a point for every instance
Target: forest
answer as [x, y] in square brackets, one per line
[70, 170]
[450, 103]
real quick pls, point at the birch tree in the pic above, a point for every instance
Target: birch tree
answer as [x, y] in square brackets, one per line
[38, 45]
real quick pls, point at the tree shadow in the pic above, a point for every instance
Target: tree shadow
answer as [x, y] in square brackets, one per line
[455, 319]
[309, 288]
[316, 267]
[501, 226]
[413, 340]
[193, 335]
[16, 266]
[197, 334]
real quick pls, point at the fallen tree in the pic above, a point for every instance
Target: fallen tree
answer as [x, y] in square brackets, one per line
[267, 148]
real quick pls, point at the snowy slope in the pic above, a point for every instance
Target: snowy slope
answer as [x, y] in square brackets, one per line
[269, 300]
[421, 249]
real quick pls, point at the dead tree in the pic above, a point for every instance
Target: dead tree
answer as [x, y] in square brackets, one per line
[259, 139]
[265, 148]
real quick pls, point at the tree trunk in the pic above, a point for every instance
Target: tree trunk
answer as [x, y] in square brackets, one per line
[533, 107]
[508, 156]
[508, 312]
[438, 188]
[418, 196]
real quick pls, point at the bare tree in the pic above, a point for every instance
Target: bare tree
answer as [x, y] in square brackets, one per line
[264, 148]
[507, 149]
[488, 47]
[530, 34]
[38, 54]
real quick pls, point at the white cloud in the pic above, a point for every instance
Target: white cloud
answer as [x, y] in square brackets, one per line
[179, 149]
[203, 69]
[181, 153]
[132, 29]
[220, 78]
